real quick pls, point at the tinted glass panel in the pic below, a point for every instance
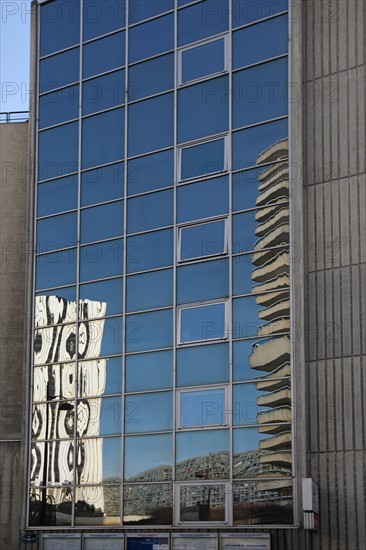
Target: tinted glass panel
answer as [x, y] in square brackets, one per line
[151, 38]
[203, 199]
[254, 503]
[98, 261]
[202, 408]
[104, 54]
[36, 499]
[140, 9]
[202, 323]
[150, 290]
[57, 196]
[56, 269]
[99, 417]
[203, 109]
[60, 25]
[108, 292]
[203, 281]
[103, 16]
[59, 70]
[245, 189]
[199, 241]
[102, 184]
[88, 497]
[100, 376]
[151, 124]
[244, 238]
[103, 138]
[206, 158]
[151, 172]
[150, 211]
[203, 454]
[109, 460]
[149, 371]
[148, 458]
[202, 20]
[261, 93]
[58, 151]
[203, 365]
[54, 382]
[103, 92]
[211, 507]
[151, 77]
[100, 337]
[53, 307]
[147, 331]
[242, 369]
[203, 60]
[155, 502]
[61, 463]
[56, 232]
[149, 412]
[254, 407]
[242, 274]
[150, 250]
[102, 222]
[59, 106]
[247, 11]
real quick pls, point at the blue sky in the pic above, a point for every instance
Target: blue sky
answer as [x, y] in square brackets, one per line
[14, 54]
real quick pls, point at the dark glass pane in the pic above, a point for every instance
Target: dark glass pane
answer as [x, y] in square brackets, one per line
[59, 106]
[203, 109]
[100, 377]
[142, 9]
[261, 93]
[59, 70]
[203, 60]
[56, 196]
[151, 77]
[151, 124]
[150, 504]
[247, 11]
[250, 406]
[103, 16]
[103, 138]
[252, 319]
[201, 365]
[108, 292]
[202, 20]
[56, 269]
[244, 237]
[56, 232]
[55, 306]
[60, 462]
[94, 503]
[148, 331]
[100, 337]
[256, 188]
[206, 158]
[203, 199]
[259, 42]
[150, 250]
[60, 25]
[202, 503]
[104, 92]
[148, 458]
[104, 54]
[149, 412]
[202, 323]
[149, 371]
[99, 460]
[150, 290]
[242, 274]
[102, 184]
[102, 222]
[262, 502]
[202, 454]
[150, 211]
[151, 38]
[200, 241]
[58, 151]
[203, 281]
[183, 2]
[98, 261]
[202, 408]
[256, 145]
[151, 172]
[99, 416]
[57, 509]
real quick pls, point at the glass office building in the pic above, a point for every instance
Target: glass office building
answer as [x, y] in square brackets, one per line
[162, 365]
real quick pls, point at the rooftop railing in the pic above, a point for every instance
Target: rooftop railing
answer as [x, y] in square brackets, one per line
[14, 116]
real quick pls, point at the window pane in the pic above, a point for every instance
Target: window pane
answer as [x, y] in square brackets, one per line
[206, 158]
[203, 60]
[154, 502]
[140, 9]
[200, 241]
[203, 199]
[64, 500]
[102, 460]
[103, 138]
[202, 408]
[100, 377]
[263, 502]
[203, 281]
[151, 38]
[203, 109]
[104, 54]
[98, 261]
[149, 371]
[60, 463]
[253, 407]
[108, 292]
[244, 237]
[100, 501]
[242, 274]
[59, 106]
[56, 269]
[251, 319]
[60, 25]
[62, 424]
[259, 42]
[151, 124]
[267, 185]
[102, 222]
[104, 92]
[54, 382]
[58, 151]
[102, 184]
[99, 416]
[202, 323]
[148, 458]
[247, 11]
[203, 365]
[59, 70]
[100, 337]
[55, 306]
[150, 211]
[202, 454]
[151, 77]
[150, 290]
[103, 16]
[202, 503]
[148, 331]
[150, 250]
[202, 20]
[56, 232]
[150, 412]
[56, 196]
[151, 172]
[261, 93]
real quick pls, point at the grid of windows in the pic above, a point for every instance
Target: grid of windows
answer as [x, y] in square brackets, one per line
[162, 308]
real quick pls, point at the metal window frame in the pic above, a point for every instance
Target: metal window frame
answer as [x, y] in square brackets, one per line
[226, 321]
[228, 503]
[183, 49]
[195, 389]
[180, 230]
[195, 143]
